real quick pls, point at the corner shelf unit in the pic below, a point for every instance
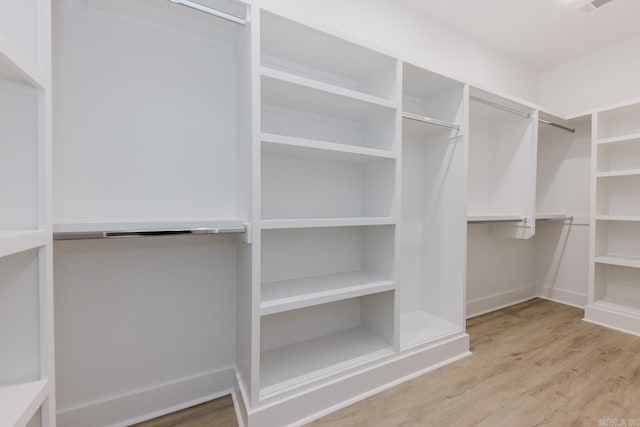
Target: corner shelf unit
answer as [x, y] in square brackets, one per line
[27, 386]
[614, 290]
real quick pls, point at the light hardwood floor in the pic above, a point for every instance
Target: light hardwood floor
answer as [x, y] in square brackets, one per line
[533, 364]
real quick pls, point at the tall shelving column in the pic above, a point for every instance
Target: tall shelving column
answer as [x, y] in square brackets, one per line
[27, 386]
[328, 146]
[614, 277]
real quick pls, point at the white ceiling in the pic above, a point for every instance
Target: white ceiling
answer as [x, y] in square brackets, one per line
[540, 33]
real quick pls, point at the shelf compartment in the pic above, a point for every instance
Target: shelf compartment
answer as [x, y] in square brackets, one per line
[19, 403]
[311, 343]
[622, 156]
[619, 123]
[303, 187]
[632, 138]
[617, 240]
[279, 224]
[304, 112]
[285, 46]
[15, 67]
[618, 196]
[15, 241]
[420, 327]
[309, 148]
[290, 254]
[618, 285]
[303, 292]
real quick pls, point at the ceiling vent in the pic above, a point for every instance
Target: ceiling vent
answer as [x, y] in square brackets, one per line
[592, 5]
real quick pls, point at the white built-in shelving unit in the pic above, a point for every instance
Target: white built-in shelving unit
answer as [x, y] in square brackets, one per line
[27, 385]
[432, 230]
[614, 297]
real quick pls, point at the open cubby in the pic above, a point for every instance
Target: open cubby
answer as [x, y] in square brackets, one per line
[619, 156]
[286, 46]
[617, 285]
[618, 241]
[19, 158]
[19, 318]
[619, 122]
[122, 150]
[618, 196]
[306, 187]
[303, 112]
[307, 344]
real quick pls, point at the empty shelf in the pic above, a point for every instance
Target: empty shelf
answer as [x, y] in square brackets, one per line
[310, 148]
[419, 327]
[611, 174]
[479, 219]
[292, 294]
[553, 217]
[16, 68]
[621, 261]
[284, 367]
[18, 403]
[617, 218]
[269, 224]
[14, 241]
[625, 138]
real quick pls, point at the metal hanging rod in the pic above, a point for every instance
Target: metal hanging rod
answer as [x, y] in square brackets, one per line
[494, 221]
[564, 218]
[500, 107]
[85, 235]
[547, 122]
[211, 11]
[428, 120]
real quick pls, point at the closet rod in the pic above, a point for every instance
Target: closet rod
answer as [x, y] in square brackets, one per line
[85, 235]
[547, 122]
[492, 221]
[566, 218]
[500, 107]
[430, 121]
[210, 11]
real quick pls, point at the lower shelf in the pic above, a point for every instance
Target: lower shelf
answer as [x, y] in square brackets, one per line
[420, 327]
[15, 241]
[18, 403]
[297, 363]
[621, 261]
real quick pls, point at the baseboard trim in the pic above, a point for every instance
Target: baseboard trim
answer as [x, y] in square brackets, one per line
[612, 319]
[484, 305]
[563, 296]
[144, 404]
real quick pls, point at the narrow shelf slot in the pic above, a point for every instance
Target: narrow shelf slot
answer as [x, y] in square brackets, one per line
[18, 403]
[292, 294]
[15, 241]
[420, 327]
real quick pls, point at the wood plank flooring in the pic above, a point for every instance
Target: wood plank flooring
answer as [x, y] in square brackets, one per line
[534, 364]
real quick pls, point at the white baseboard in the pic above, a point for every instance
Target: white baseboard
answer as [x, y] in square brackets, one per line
[144, 404]
[563, 296]
[487, 304]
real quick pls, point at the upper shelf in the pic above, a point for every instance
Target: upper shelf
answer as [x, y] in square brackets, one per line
[634, 137]
[286, 46]
[15, 67]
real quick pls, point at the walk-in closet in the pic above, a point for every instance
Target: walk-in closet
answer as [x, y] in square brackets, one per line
[277, 213]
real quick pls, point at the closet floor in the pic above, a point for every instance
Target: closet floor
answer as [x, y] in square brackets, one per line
[533, 364]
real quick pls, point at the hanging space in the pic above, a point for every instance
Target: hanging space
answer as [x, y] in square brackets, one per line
[432, 234]
[147, 144]
[501, 202]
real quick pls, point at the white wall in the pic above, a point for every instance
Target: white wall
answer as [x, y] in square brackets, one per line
[410, 33]
[597, 79]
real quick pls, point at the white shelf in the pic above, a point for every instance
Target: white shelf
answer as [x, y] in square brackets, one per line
[624, 138]
[144, 224]
[420, 327]
[618, 260]
[324, 87]
[14, 67]
[272, 224]
[292, 294]
[311, 148]
[494, 218]
[617, 218]
[295, 364]
[629, 172]
[549, 217]
[18, 403]
[14, 241]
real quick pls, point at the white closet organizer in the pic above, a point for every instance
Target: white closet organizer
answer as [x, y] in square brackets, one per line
[502, 144]
[614, 298]
[432, 231]
[27, 386]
